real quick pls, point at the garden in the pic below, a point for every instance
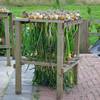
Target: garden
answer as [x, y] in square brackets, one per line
[49, 40]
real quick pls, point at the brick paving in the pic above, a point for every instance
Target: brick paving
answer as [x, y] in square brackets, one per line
[88, 87]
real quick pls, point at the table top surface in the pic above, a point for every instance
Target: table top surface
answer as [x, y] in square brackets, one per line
[6, 12]
[44, 20]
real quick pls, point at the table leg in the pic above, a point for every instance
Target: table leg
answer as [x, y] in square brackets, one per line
[76, 50]
[60, 49]
[7, 40]
[12, 36]
[18, 56]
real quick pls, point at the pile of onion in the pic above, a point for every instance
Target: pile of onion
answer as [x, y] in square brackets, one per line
[54, 15]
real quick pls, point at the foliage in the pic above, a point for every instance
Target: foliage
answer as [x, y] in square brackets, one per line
[39, 43]
[2, 35]
[36, 96]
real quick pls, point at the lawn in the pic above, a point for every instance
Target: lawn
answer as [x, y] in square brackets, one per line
[95, 13]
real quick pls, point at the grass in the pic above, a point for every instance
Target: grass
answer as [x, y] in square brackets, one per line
[36, 96]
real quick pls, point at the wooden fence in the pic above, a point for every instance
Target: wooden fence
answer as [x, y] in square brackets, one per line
[84, 39]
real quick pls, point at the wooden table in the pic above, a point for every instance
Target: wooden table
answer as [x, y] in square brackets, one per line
[60, 49]
[6, 46]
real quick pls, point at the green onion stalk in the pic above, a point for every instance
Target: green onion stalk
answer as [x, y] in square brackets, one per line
[39, 43]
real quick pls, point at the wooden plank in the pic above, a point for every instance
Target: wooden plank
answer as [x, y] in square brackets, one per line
[45, 20]
[27, 61]
[77, 41]
[73, 22]
[3, 15]
[21, 19]
[12, 35]
[38, 63]
[84, 37]
[7, 40]
[65, 69]
[94, 34]
[76, 50]
[60, 50]
[18, 57]
[76, 74]
[94, 20]
[6, 12]
[4, 46]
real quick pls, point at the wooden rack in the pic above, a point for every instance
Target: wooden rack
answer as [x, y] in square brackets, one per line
[61, 68]
[5, 15]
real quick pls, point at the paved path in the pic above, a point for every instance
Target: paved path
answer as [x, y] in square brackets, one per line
[9, 89]
[26, 86]
[88, 87]
[5, 74]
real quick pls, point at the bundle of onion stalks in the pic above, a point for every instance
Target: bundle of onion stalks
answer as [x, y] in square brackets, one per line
[52, 15]
[2, 9]
[39, 43]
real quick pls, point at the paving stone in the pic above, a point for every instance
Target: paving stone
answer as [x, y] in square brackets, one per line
[1, 92]
[88, 87]
[26, 74]
[23, 96]
[5, 74]
[25, 89]
[24, 82]
[0, 98]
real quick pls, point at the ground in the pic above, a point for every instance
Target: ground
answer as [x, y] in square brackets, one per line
[5, 75]
[88, 87]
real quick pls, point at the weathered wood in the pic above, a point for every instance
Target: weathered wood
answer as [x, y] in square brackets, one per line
[73, 22]
[18, 57]
[27, 61]
[60, 50]
[7, 40]
[77, 41]
[84, 41]
[4, 46]
[66, 22]
[12, 35]
[65, 69]
[94, 34]
[21, 19]
[3, 15]
[93, 20]
[46, 20]
[6, 12]
[76, 50]
[23, 61]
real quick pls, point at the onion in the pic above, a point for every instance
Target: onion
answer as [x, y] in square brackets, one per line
[37, 14]
[0, 39]
[56, 17]
[40, 16]
[51, 17]
[67, 15]
[78, 14]
[69, 18]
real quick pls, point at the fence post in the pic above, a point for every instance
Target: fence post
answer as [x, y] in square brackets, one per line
[84, 37]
